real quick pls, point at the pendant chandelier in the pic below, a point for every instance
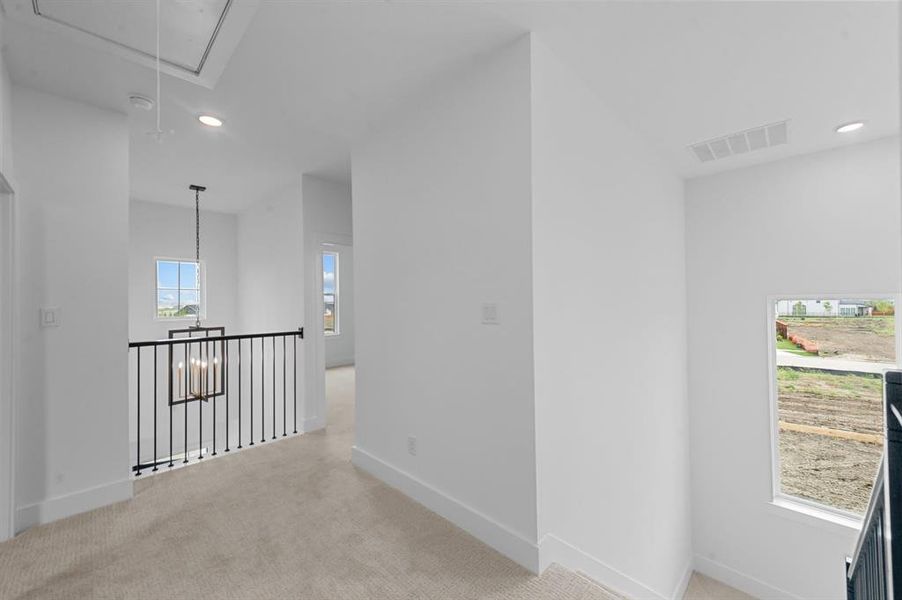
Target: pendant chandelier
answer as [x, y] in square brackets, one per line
[199, 376]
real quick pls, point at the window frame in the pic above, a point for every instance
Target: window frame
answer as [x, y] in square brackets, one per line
[201, 290]
[794, 504]
[336, 317]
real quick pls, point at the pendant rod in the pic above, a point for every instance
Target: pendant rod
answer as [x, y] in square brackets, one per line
[158, 131]
[197, 190]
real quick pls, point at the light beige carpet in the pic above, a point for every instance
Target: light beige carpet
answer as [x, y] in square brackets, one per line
[288, 519]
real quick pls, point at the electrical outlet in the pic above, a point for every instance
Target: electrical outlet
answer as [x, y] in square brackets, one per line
[490, 314]
[50, 316]
[411, 445]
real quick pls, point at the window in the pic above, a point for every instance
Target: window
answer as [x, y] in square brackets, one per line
[330, 293]
[179, 294]
[830, 354]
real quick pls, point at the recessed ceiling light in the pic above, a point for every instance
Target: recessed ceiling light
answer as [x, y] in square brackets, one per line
[210, 121]
[849, 127]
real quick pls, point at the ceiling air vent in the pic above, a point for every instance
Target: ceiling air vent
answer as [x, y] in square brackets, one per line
[743, 142]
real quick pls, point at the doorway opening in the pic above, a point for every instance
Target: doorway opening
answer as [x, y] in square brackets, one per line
[335, 291]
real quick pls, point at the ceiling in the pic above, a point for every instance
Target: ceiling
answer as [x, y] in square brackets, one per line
[308, 78]
[686, 72]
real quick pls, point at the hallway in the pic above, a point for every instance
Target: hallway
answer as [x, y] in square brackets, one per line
[292, 519]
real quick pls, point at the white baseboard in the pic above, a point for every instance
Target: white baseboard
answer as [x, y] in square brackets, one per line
[745, 583]
[345, 361]
[67, 505]
[312, 424]
[485, 529]
[552, 549]
[680, 590]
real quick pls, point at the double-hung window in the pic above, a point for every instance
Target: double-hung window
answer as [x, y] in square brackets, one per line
[179, 294]
[829, 355]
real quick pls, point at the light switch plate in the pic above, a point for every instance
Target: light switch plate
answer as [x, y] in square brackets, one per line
[490, 314]
[50, 316]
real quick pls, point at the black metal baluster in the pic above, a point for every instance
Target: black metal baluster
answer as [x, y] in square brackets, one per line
[239, 394]
[213, 376]
[188, 369]
[284, 391]
[202, 384]
[295, 357]
[252, 393]
[170, 405]
[273, 387]
[138, 461]
[155, 377]
[225, 375]
[262, 390]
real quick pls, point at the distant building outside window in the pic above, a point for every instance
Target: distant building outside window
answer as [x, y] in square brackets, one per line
[178, 289]
[330, 293]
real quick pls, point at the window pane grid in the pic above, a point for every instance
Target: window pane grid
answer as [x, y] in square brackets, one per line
[178, 292]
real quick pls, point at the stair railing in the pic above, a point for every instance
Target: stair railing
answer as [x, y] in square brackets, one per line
[871, 571]
[197, 396]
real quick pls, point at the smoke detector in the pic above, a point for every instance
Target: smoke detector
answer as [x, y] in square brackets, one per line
[139, 101]
[742, 142]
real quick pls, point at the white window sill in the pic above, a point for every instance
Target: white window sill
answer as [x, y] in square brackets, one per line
[824, 518]
[177, 319]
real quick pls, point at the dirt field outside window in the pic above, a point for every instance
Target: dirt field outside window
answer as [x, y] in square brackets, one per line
[855, 338]
[816, 461]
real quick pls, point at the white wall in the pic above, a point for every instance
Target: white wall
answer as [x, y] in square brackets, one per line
[271, 279]
[442, 224]
[327, 219]
[6, 109]
[7, 433]
[270, 271]
[610, 334]
[159, 230]
[821, 223]
[72, 233]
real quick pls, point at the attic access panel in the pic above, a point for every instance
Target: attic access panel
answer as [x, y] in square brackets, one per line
[188, 30]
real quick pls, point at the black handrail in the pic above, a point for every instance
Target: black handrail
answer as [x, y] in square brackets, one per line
[871, 571]
[202, 370]
[299, 332]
